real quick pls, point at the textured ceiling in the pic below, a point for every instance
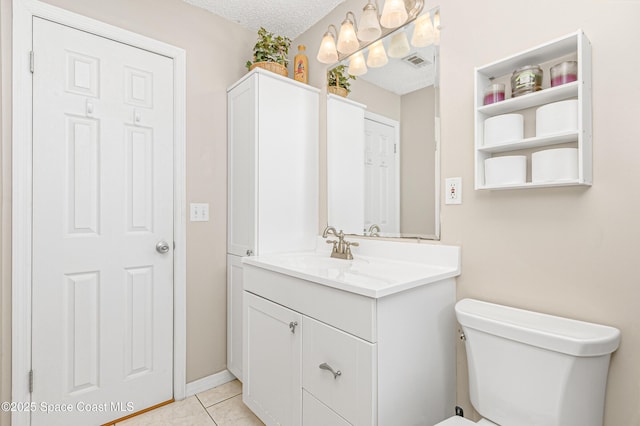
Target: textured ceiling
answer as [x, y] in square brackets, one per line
[282, 17]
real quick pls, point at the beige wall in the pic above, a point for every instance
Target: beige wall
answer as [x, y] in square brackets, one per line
[216, 52]
[377, 99]
[417, 162]
[564, 251]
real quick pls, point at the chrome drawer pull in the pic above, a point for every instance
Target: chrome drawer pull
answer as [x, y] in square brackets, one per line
[293, 325]
[325, 366]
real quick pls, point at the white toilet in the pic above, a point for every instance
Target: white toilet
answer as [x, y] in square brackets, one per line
[532, 369]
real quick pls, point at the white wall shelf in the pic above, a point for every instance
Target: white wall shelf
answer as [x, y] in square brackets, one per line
[574, 46]
[534, 142]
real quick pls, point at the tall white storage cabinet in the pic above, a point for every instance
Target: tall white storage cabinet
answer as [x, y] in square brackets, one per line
[272, 180]
[345, 155]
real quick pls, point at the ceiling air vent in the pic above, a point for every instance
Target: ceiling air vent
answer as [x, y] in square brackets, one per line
[416, 61]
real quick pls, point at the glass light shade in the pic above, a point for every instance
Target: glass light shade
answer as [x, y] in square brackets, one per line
[399, 46]
[369, 27]
[394, 14]
[423, 32]
[377, 56]
[347, 40]
[327, 53]
[357, 65]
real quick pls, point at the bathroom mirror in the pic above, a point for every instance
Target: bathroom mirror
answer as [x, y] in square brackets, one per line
[399, 154]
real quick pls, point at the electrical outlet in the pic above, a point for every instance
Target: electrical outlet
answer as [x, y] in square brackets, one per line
[199, 212]
[453, 191]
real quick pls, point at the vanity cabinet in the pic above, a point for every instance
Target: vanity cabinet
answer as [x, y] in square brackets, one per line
[573, 47]
[272, 128]
[318, 355]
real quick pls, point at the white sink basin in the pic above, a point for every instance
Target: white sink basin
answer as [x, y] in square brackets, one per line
[366, 275]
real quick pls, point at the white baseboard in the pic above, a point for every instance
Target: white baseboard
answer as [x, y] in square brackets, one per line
[208, 382]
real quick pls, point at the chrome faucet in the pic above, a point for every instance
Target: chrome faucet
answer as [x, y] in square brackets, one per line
[341, 248]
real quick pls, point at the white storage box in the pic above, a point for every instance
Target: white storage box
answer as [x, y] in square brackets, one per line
[508, 170]
[554, 165]
[558, 117]
[503, 129]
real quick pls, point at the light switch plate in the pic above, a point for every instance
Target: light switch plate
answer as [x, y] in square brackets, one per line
[199, 212]
[453, 190]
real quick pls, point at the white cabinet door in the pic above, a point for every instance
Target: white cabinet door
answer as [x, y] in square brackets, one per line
[339, 370]
[272, 386]
[235, 290]
[242, 104]
[315, 413]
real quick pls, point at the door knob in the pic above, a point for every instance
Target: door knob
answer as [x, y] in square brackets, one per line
[162, 247]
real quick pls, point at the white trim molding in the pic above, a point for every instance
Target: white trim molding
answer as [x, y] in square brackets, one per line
[209, 382]
[23, 13]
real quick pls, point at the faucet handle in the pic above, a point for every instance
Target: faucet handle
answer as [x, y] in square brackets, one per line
[348, 254]
[335, 244]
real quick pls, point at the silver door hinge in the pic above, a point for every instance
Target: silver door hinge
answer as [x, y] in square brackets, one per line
[31, 62]
[30, 381]
[395, 150]
[174, 245]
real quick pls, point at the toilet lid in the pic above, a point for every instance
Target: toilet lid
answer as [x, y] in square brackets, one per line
[456, 421]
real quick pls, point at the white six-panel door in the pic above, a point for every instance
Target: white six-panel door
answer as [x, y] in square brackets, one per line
[102, 201]
[382, 185]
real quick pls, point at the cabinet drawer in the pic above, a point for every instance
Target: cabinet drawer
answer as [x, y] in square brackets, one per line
[315, 413]
[350, 391]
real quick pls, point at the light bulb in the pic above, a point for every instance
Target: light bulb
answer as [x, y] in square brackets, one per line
[399, 46]
[369, 27]
[347, 39]
[423, 32]
[394, 14]
[377, 56]
[327, 53]
[357, 65]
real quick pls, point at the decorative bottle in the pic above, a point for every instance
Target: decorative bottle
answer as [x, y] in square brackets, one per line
[301, 65]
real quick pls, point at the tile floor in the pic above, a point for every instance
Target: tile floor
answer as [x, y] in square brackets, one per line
[221, 406]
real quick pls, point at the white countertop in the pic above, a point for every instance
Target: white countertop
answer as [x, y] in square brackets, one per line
[369, 276]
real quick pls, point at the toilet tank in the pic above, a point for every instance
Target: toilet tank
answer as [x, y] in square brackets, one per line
[533, 369]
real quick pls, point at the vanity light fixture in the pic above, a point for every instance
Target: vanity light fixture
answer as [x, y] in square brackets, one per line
[369, 26]
[377, 56]
[357, 65]
[423, 33]
[394, 14]
[327, 54]
[347, 39]
[399, 46]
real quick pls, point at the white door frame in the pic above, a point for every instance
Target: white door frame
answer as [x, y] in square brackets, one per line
[23, 13]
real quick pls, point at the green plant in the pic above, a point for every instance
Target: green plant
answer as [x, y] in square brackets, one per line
[270, 48]
[338, 76]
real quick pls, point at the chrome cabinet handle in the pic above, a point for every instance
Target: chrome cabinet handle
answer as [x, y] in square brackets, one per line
[325, 366]
[293, 325]
[249, 252]
[162, 247]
